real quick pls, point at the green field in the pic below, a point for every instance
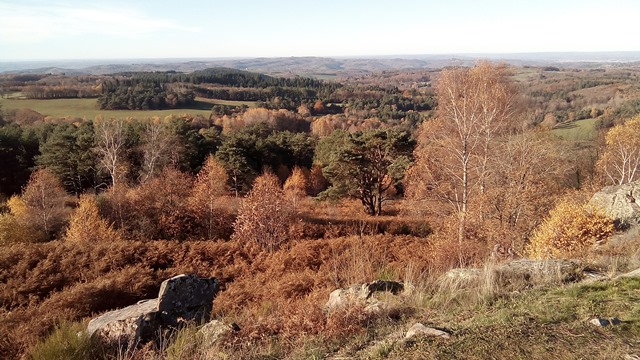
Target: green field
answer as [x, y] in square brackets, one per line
[226, 102]
[88, 108]
[577, 130]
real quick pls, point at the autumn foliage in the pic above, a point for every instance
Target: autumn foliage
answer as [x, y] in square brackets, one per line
[265, 217]
[620, 162]
[569, 230]
[87, 225]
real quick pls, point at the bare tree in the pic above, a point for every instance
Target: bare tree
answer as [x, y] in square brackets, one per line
[475, 107]
[110, 142]
[158, 142]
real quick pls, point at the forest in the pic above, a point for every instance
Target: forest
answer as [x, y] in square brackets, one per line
[302, 184]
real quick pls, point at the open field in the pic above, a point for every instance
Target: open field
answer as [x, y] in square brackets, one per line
[88, 108]
[226, 102]
[577, 130]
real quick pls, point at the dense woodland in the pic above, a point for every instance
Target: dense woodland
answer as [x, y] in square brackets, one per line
[444, 165]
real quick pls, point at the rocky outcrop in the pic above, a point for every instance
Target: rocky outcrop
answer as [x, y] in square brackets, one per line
[621, 202]
[632, 274]
[419, 329]
[186, 298]
[363, 294]
[181, 299]
[522, 271]
[131, 325]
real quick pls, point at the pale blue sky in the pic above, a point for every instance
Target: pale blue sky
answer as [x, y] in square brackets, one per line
[81, 29]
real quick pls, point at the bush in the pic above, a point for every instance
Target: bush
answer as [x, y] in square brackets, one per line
[265, 217]
[68, 341]
[87, 225]
[568, 231]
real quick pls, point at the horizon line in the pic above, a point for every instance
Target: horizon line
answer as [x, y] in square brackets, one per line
[371, 56]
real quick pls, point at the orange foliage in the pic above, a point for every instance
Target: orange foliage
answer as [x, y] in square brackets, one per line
[569, 230]
[264, 216]
[281, 293]
[44, 200]
[210, 186]
[87, 225]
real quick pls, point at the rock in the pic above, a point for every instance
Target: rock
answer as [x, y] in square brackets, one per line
[213, 331]
[182, 298]
[632, 274]
[517, 272]
[393, 287]
[128, 326]
[564, 270]
[605, 322]
[363, 294]
[419, 329]
[620, 202]
[187, 298]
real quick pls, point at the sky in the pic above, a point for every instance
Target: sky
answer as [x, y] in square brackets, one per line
[99, 29]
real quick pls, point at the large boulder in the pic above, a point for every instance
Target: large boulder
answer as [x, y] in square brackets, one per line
[129, 326]
[186, 297]
[620, 203]
[182, 298]
[363, 294]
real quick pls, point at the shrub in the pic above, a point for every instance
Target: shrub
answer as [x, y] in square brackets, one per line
[568, 231]
[44, 201]
[87, 225]
[14, 225]
[205, 200]
[265, 217]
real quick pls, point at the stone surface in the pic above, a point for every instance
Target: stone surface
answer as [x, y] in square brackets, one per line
[419, 329]
[128, 326]
[605, 322]
[621, 202]
[363, 294]
[187, 298]
[519, 271]
[181, 298]
[632, 274]
[213, 331]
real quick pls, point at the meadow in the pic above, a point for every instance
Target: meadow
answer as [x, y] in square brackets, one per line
[87, 109]
[576, 130]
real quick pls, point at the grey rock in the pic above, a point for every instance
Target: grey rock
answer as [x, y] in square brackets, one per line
[621, 202]
[518, 272]
[363, 294]
[182, 298]
[632, 274]
[213, 331]
[186, 298]
[419, 329]
[601, 322]
[128, 326]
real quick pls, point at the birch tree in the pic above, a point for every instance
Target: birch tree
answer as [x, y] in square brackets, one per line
[475, 106]
[620, 161]
[110, 142]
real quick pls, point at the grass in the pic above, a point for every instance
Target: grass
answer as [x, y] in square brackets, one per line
[226, 102]
[541, 323]
[88, 108]
[67, 341]
[577, 130]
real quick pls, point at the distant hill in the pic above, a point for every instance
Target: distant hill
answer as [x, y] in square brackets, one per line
[319, 66]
